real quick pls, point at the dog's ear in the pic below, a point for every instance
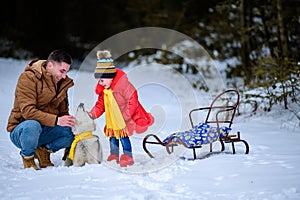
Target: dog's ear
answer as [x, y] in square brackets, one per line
[89, 114]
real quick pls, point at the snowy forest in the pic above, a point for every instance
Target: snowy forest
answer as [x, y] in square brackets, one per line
[259, 40]
[247, 46]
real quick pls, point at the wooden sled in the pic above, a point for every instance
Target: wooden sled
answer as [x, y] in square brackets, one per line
[216, 127]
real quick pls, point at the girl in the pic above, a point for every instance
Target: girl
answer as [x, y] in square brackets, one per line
[124, 114]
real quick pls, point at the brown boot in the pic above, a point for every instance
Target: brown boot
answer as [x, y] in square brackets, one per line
[29, 162]
[43, 155]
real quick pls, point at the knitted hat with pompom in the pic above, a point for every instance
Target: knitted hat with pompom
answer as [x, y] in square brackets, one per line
[105, 65]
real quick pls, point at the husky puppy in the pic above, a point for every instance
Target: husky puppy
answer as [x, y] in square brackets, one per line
[86, 146]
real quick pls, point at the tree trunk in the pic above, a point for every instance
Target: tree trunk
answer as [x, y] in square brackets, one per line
[282, 38]
[245, 42]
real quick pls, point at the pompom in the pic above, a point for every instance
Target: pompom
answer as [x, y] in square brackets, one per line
[103, 54]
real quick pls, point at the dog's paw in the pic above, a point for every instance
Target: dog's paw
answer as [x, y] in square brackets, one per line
[68, 162]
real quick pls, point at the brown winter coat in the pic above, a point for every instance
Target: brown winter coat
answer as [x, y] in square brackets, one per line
[37, 98]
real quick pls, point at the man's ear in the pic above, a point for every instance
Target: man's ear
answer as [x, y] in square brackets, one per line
[49, 65]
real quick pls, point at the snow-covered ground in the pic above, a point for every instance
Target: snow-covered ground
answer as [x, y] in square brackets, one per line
[270, 171]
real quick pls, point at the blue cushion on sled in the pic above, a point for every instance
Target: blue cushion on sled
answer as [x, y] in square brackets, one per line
[203, 133]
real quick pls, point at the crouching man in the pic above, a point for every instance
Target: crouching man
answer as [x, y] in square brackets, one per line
[39, 122]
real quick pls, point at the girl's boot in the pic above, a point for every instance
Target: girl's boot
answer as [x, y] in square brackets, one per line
[126, 160]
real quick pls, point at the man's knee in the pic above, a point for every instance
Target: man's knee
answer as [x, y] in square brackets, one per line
[29, 128]
[32, 125]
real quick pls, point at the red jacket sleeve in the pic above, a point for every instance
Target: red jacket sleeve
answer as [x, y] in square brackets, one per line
[98, 108]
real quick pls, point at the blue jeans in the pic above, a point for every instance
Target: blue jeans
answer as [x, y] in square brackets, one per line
[114, 146]
[30, 134]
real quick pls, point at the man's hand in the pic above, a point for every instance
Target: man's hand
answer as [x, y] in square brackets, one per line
[66, 120]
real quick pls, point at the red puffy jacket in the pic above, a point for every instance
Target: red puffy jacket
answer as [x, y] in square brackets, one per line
[135, 116]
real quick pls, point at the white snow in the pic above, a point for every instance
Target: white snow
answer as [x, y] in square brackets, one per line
[269, 171]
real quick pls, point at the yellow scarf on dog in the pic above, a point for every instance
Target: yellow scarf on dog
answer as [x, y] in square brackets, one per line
[77, 138]
[115, 124]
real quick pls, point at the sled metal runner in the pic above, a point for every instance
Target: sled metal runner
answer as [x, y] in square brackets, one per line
[216, 115]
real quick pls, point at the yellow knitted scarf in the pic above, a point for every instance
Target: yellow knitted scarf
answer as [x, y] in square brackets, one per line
[115, 124]
[77, 138]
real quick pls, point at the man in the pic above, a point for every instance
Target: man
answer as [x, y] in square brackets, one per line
[39, 122]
